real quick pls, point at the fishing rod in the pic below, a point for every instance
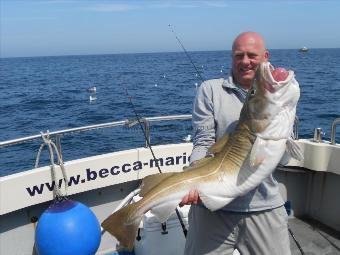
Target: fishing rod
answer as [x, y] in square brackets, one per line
[184, 229]
[193, 64]
[186, 53]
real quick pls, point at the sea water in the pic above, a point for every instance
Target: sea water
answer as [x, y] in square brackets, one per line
[51, 93]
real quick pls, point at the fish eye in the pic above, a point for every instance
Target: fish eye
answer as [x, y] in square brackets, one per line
[252, 91]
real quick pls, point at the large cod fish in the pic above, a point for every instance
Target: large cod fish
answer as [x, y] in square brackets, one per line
[241, 159]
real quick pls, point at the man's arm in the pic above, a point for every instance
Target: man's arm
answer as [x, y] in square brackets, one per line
[204, 132]
[203, 122]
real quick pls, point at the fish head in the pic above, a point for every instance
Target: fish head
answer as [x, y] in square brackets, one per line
[274, 91]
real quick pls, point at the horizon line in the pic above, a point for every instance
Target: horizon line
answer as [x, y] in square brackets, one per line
[154, 52]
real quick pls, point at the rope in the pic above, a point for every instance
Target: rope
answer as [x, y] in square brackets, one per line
[51, 145]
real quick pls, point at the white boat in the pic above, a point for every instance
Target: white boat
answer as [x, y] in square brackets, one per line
[304, 49]
[107, 181]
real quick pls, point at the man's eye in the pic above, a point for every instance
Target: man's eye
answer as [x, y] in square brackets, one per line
[252, 56]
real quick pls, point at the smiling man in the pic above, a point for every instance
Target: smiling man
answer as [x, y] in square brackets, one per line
[255, 223]
[248, 52]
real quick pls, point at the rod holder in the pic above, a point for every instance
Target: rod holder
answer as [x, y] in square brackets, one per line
[318, 135]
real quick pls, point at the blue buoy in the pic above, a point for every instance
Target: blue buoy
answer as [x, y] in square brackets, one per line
[67, 227]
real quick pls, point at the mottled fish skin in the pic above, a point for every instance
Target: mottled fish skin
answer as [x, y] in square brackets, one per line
[241, 160]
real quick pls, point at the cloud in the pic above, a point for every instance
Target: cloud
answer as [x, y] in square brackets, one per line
[218, 4]
[191, 4]
[175, 4]
[112, 7]
[56, 2]
[133, 5]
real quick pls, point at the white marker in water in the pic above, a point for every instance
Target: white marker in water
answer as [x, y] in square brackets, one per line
[93, 98]
[187, 138]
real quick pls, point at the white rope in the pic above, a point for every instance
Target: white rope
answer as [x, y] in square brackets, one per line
[47, 141]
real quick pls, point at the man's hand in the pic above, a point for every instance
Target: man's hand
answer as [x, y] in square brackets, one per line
[191, 198]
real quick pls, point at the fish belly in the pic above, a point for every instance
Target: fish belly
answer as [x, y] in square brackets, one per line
[165, 204]
[225, 188]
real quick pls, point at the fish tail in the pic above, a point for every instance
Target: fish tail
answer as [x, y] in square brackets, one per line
[123, 225]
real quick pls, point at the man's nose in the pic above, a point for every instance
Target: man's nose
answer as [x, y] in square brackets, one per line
[245, 59]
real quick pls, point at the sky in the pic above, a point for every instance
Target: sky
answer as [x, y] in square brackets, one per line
[74, 27]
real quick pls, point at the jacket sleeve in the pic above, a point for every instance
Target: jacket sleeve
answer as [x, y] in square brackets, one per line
[203, 122]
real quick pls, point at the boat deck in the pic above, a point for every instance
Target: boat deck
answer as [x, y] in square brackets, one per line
[313, 237]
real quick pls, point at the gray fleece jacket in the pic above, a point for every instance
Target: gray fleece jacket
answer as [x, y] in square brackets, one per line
[216, 111]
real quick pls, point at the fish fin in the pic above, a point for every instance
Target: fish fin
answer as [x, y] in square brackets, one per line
[164, 210]
[118, 225]
[151, 181]
[294, 149]
[214, 202]
[257, 154]
[219, 145]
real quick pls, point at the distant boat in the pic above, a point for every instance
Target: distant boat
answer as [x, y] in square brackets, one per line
[303, 49]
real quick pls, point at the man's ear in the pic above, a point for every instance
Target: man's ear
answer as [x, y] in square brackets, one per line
[266, 55]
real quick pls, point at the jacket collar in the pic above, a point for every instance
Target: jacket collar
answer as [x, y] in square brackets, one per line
[229, 84]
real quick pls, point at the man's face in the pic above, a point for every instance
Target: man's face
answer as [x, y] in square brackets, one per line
[248, 53]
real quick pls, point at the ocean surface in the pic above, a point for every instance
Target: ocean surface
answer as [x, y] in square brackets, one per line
[50, 93]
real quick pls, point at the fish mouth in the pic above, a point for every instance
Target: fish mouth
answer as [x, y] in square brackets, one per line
[267, 79]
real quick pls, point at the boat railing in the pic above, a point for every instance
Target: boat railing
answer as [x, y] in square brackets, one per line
[333, 133]
[296, 128]
[128, 123]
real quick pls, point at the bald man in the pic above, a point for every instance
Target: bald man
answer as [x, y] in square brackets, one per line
[255, 223]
